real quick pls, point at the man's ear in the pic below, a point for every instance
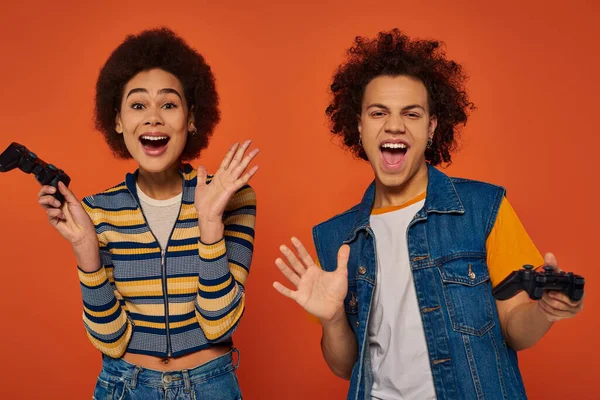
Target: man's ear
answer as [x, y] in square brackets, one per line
[432, 126]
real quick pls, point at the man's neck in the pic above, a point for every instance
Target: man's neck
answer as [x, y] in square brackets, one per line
[387, 196]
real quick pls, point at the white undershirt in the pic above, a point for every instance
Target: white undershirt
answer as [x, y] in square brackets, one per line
[161, 215]
[397, 345]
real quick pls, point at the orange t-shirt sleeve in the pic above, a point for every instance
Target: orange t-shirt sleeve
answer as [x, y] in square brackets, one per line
[509, 247]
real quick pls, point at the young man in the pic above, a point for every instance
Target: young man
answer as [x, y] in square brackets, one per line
[408, 312]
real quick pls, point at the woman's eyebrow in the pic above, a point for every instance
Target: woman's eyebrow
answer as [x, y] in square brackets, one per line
[161, 91]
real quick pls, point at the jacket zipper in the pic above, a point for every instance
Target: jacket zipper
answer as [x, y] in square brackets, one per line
[163, 267]
[163, 262]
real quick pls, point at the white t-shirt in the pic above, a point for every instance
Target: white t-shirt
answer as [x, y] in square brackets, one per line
[161, 215]
[397, 345]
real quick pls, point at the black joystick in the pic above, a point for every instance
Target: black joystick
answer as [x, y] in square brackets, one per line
[17, 155]
[534, 283]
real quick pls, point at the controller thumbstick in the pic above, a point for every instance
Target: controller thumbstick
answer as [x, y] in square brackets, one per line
[528, 267]
[548, 269]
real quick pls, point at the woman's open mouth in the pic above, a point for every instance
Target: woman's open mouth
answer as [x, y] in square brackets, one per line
[154, 144]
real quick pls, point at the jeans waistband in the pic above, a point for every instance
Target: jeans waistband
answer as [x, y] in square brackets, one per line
[135, 374]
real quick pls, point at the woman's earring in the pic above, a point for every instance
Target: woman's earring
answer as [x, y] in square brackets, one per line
[429, 143]
[360, 141]
[194, 131]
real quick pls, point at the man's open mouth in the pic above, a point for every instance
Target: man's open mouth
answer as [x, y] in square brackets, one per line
[393, 153]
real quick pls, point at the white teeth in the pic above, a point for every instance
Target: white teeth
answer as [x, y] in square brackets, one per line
[155, 137]
[393, 146]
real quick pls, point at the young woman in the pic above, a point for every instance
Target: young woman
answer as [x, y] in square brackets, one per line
[163, 256]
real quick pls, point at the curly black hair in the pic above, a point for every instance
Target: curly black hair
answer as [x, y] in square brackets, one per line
[392, 53]
[157, 48]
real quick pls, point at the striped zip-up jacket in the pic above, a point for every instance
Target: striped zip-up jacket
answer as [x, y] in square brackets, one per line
[165, 302]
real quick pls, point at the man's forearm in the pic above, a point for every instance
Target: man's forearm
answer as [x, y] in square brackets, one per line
[339, 346]
[525, 326]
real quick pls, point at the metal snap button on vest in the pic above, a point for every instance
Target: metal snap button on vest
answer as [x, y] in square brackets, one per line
[352, 301]
[167, 379]
[471, 273]
[362, 270]
[357, 324]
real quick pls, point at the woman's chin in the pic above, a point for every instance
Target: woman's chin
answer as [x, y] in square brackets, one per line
[156, 165]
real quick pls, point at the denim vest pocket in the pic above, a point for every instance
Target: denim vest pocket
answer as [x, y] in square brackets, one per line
[467, 294]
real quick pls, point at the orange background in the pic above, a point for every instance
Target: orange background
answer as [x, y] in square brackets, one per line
[533, 68]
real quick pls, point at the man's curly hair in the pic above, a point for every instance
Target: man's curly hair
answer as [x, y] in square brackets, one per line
[393, 54]
[163, 49]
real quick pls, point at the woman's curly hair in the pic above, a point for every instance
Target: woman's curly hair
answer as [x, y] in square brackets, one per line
[163, 49]
[393, 53]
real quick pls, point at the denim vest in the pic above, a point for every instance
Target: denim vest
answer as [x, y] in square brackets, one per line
[447, 248]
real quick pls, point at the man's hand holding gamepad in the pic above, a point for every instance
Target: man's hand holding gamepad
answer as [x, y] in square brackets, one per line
[73, 223]
[555, 305]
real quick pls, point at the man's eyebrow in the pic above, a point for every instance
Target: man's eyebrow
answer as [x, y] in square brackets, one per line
[378, 105]
[413, 106]
[405, 108]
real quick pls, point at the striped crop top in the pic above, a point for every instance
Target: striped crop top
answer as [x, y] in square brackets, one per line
[172, 301]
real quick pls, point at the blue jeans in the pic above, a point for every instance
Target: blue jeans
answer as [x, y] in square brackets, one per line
[213, 380]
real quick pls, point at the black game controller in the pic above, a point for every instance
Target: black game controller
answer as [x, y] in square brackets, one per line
[17, 155]
[534, 283]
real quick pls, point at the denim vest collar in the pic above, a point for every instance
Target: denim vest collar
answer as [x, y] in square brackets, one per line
[441, 198]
